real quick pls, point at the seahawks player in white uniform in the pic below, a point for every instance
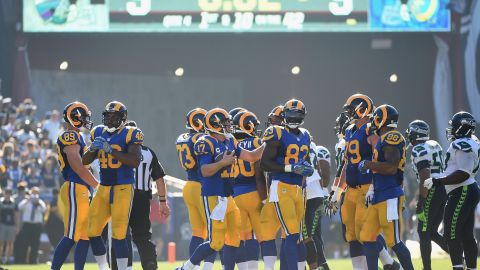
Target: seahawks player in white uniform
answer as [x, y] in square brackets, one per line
[427, 159]
[462, 163]
[316, 194]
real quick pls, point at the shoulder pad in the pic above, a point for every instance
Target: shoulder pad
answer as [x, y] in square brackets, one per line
[134, 135]
[204, 145]
[196, 136]
[393, 137]
[273, 133]
[419, 150]
[305, 131]
[463, 145]
[93, 131]
[69, 137]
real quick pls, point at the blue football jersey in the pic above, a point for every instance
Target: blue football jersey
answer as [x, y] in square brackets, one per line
[186, 154]
[357, 149]
[69, 137]
[208, 151]
[112, 171]
[389, 186]
[293, 148]
[245, 181]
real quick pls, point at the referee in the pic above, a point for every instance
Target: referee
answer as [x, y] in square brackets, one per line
[148, 170]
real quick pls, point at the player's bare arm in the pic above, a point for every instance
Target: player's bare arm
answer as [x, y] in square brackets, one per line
[252, 156]
[89, 156]
[423, 174]
[261, 181]
[390, 166]
[324, 169]
[208, 170]
[268, 162]
[75, 161]
[132, 158]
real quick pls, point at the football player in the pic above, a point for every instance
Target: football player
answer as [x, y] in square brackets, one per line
[216, 155]
[462, 163]
[268, 216]
[358, 147]
[74, 193]
[316, 194]
[427, 161]
[245, 194]
[192, 189]
[286, 157]
[385, 197]
[118, 149]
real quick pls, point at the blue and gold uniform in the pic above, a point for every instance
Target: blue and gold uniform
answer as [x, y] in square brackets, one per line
[286, 188]
[388, 191]
[74, 193]
[219, 187]
[115, 193]
[245, 193]
[192, 189]
[353, 208]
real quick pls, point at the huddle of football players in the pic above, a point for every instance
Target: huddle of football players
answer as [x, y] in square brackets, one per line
[117, 147]
[243, 187]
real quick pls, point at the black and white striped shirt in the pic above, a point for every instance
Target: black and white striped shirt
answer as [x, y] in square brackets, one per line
[149, 168]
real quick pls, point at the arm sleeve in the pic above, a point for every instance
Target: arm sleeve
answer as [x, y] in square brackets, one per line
[136, 137]
[466, 161]
[157, 168]
[420, 157]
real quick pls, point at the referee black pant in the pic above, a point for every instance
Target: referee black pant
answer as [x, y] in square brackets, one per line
[140, 230]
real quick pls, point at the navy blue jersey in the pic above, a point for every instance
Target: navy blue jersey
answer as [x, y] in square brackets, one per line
[186, 154]
[245, 181]
[69, 137]
[357, 149]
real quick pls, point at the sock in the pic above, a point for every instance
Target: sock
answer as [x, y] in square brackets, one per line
[241, 253]
[252, 250]
[283, 260]
[291, 251]
[403, 255]
[253, 265]
[202, 251]
[302, 256]
[188, 265]
[102, 262]
[122, 263]
[358, 263]
[229, 257]
[242, 266]
[81, 252]
[311, 252]
[269, 254]
[98, 248]
[61, 252]
[121, 248]
[384, 257]
[371, 252]
[207, 266]
[194, 243]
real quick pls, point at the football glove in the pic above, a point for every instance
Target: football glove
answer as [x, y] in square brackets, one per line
[361, 167]
[431, 182]
[302, 168]
[369, 196]
[101, 144]
[331, 208]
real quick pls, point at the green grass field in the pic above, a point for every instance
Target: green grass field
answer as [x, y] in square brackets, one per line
[437, 264]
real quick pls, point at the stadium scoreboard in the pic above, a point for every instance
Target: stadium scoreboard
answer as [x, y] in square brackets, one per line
[235, 15]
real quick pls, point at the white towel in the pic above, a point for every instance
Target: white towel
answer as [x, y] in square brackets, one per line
[274, 191]
[392, 209]
[219, 211]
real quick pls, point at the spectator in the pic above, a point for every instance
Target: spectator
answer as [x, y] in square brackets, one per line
[25, 132]
[9, 128]
[8, 154]
[14, 174]
[50, 173]
[8, 226]
[53, 126]
[33, 210]
[45, 148]
[30, 153]
[21, 192]
[32, 175]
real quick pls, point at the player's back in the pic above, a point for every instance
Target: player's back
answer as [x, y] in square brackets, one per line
[357, 149]
[245, 171]
[112, 171]
[293, 148]
[429, 152]
[186, 154]
[389, 186]
[471, 147]
[68, 138]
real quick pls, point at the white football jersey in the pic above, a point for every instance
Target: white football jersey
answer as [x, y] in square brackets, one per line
[463, 154]
[429, 151]
[314, 189]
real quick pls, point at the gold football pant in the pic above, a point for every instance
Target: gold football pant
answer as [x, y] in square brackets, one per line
[75, 200]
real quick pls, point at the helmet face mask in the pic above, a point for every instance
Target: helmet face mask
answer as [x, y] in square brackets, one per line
[358, 106]
[218, 121]
[293, 119]
[341, 124]
[113, 120]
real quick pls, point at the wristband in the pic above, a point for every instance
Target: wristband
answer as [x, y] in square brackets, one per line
[288, 168]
